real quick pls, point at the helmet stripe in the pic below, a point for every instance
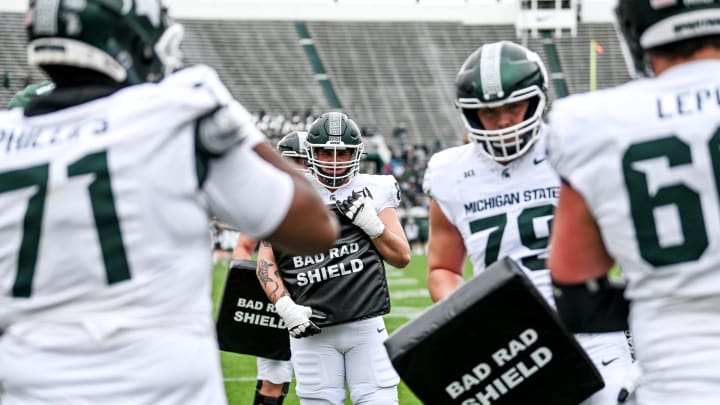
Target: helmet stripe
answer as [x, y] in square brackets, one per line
[45, 18]
[335, 123]
[490, 70]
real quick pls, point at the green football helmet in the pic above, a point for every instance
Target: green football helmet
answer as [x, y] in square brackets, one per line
[334, 131]
[292, 146]
[645, 24]
[129, 41]
[494, 75]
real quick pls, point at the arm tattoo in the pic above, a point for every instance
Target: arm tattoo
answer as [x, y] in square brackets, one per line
[265, 277]
[263, 271]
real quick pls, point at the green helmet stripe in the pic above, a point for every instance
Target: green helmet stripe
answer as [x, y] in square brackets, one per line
[490, 75]
[45, 17]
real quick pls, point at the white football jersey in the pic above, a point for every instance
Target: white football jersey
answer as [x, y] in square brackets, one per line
[507, 211]
[500, 210]
[104, 206]
[645, 156]
[384, 189]
[646, 167]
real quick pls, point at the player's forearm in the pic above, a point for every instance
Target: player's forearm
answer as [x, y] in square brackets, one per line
[442, 282]
[577, 250]
[269, 276]
[244, 248]
[393, 248]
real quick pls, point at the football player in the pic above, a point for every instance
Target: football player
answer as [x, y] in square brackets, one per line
[494, 196]
[344, 289]
[292, 147]
[641, 174]
[274, 376]
[107, 184]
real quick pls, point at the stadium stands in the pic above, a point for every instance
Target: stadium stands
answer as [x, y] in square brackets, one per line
[575, 57]
[400, 74]
[386, 74]
[13, 56]
[393, 77]
[260, 61]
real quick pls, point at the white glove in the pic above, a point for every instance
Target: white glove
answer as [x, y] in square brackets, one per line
[297, 317]
[630, 384]
[359, 207]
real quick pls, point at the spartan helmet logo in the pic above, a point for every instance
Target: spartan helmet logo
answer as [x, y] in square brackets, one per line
[334, 126]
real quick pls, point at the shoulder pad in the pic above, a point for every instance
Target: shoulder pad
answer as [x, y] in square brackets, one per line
[200, 78]
[223, 128]
[385, 189]
[226, 123]
[437, 166]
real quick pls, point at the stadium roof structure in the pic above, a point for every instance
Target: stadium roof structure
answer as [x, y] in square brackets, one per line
[491, 12]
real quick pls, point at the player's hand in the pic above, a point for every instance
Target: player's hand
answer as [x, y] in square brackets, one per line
[298, 318]
[359, 207]
[630, 384]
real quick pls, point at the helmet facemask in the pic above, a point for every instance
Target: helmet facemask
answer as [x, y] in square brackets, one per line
[168, 49]
[330, 135]
[297, 160]
[293, 147]
[509, 143]
[333, 173]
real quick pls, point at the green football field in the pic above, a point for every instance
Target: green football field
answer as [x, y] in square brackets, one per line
[409, 298]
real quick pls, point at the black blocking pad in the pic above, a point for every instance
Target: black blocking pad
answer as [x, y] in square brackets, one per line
[247, 322]
[493, 341]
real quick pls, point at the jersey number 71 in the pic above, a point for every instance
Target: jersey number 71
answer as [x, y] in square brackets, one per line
[103, 207]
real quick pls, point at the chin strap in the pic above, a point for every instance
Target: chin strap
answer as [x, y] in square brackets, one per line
[265, 400]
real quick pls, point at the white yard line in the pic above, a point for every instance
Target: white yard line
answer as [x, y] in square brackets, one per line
[402, 281]
[404, 312]
[239, 379]
[419, 293]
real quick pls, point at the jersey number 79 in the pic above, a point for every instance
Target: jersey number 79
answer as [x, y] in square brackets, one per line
[528, 237]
